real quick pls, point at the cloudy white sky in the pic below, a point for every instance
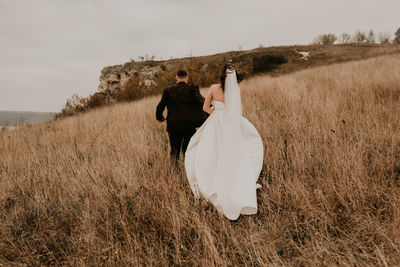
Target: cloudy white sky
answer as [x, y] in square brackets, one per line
[51, 49]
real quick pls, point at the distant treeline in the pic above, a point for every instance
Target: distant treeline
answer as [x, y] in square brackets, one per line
[14, 118]
[359, 37]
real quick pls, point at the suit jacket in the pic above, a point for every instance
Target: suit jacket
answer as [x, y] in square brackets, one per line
[185, 107]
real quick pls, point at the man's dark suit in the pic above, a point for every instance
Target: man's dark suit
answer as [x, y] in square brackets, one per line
[184, 104]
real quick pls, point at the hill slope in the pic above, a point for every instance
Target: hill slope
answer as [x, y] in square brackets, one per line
[272, 60]
[136, 80]
[98, 188]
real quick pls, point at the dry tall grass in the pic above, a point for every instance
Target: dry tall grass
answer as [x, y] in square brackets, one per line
[98, 188]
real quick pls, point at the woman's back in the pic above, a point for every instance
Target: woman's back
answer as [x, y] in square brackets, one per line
[217, 93]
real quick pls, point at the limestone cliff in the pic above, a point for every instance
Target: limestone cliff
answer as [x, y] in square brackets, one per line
[114, 77]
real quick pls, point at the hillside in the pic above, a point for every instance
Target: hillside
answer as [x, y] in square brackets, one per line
[136, 80]
[98, 188]
[272, 60]
[21, 117]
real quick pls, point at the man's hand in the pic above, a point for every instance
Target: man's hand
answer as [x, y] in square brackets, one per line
[162, 119]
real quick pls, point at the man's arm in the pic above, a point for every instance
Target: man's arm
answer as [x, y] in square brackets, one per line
[161, 106]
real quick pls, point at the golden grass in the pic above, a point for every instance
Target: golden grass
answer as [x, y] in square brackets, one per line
[98, 188]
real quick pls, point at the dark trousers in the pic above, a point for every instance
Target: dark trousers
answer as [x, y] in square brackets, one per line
[179, 140]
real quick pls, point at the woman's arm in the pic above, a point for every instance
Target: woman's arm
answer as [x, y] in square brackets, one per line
[207, 102]
[196, 94]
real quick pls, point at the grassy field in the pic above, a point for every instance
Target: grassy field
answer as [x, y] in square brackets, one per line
[98, 188]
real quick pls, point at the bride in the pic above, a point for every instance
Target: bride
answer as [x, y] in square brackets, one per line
[224, 158]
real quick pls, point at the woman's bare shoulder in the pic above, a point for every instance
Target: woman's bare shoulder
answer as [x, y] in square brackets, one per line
[215, 86]
[212, 88]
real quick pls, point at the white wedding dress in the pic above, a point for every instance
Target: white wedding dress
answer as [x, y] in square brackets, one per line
[224, 158]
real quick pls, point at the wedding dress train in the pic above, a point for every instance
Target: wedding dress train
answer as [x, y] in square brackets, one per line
[224, 158]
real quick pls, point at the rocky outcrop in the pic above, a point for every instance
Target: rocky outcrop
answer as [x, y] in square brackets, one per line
[114, 77]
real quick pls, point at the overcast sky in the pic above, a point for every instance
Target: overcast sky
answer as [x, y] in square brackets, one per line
[51, 49]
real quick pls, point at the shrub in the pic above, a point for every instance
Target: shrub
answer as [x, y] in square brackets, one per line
[397, 37]
[345, 38]
[96, 100]
[371, 37]
[325, 39]
[73, 105]
[133, 89]
[384, 37]
[360, 37]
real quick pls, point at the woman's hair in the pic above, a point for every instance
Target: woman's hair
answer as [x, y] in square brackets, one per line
[222, 76]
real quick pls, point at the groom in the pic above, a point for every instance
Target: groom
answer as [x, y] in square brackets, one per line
[184, 104]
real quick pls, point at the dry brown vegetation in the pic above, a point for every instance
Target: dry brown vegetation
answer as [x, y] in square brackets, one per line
[98, 188]
[204, 70]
